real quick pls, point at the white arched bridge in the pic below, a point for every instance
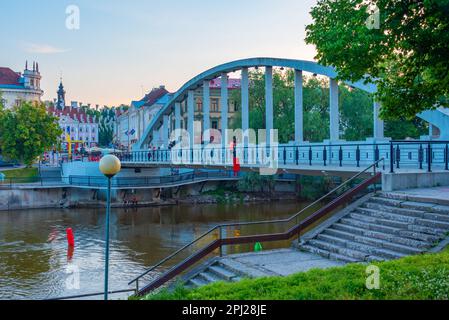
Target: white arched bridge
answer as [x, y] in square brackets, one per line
[169, 141]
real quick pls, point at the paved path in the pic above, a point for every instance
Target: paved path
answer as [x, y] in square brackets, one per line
[439, 195]
[282, 262]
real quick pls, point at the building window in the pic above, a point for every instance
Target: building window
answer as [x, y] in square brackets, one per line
[214, 105]
[214, 124]
[199, 105]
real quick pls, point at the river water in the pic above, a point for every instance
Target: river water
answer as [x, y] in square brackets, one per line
[35, 262]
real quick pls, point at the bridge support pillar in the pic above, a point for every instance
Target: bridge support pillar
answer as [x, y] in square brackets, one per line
[299, 109]
[378, 123]
[165, 129]
[224, 109]
[177, 119]
[268, 102]
[190, 116]
[156, 137]
[206, 111]
[245, 104]
[334, 112]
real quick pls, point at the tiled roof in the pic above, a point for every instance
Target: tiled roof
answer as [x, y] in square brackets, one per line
[9, 77]
[154, 95]
[73, 113]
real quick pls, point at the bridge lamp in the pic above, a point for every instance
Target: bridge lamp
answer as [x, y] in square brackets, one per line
[109, 165]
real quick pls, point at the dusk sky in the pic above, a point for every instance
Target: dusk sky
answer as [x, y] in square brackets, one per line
[124, 46]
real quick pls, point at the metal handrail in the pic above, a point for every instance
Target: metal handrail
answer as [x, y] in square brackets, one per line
[218, 227]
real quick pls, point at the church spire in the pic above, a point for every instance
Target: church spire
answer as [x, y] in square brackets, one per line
[61, 96]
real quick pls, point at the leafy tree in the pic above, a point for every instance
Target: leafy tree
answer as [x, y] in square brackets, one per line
[406, 55]
[403, 128]
[355, 107]
[27, 131]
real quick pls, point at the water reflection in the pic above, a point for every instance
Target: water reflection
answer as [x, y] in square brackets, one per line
[34, 254]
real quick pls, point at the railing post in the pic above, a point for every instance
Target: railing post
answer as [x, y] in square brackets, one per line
[324, 155]
[420, 156]
[376, 156]
[398, 156]
[446, 157]
[297, 155]
[137, 286]
[221, 237]
[429, 157]
[310, 155]
[391, 157]
[340, 156]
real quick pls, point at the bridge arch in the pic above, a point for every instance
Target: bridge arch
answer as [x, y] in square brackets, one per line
[203, 79]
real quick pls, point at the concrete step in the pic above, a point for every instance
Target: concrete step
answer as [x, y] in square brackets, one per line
[386, 201]
[434, 215]
[197, 282]
[440, 209]
[209, 277]
[397, 210]
[433, 224]
[371, 247]
[222, 273]
[439, 233]
[423, 206]
[240, 268]
[328, 255]
[384, 222]
[385, 215]
[355, 254]
[385, 244]
[346, 224]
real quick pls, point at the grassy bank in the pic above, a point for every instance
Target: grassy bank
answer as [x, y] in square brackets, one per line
[21, 173]
[420, 277]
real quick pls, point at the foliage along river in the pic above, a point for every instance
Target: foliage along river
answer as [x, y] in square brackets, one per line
[35, 262]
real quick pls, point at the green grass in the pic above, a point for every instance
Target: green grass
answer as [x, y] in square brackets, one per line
[21, 173]
[421, 277]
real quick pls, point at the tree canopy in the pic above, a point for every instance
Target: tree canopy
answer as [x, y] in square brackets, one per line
[27, 131]
[401, 46]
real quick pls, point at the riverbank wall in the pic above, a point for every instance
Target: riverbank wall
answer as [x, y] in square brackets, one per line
[74, 197]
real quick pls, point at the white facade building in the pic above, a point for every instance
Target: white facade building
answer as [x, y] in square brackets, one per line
[131, 124]
[16, 87]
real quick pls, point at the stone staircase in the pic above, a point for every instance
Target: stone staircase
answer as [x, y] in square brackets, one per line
[222, 269]
[381, 228]
[374, 228]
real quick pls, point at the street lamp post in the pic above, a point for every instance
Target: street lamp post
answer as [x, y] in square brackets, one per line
[109, 165]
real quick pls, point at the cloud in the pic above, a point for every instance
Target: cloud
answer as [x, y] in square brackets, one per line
[42, 48]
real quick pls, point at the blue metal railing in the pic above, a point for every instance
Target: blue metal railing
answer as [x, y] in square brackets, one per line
[407, 154]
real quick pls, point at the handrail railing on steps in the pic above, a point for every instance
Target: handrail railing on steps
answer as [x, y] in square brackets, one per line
[290, 233]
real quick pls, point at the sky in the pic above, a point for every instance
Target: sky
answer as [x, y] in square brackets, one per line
[125, 48]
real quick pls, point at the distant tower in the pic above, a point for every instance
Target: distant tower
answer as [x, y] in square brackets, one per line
[61, 97]
[32, 78]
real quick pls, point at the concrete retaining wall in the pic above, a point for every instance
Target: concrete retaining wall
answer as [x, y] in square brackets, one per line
[412, 180]
[17, 199]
